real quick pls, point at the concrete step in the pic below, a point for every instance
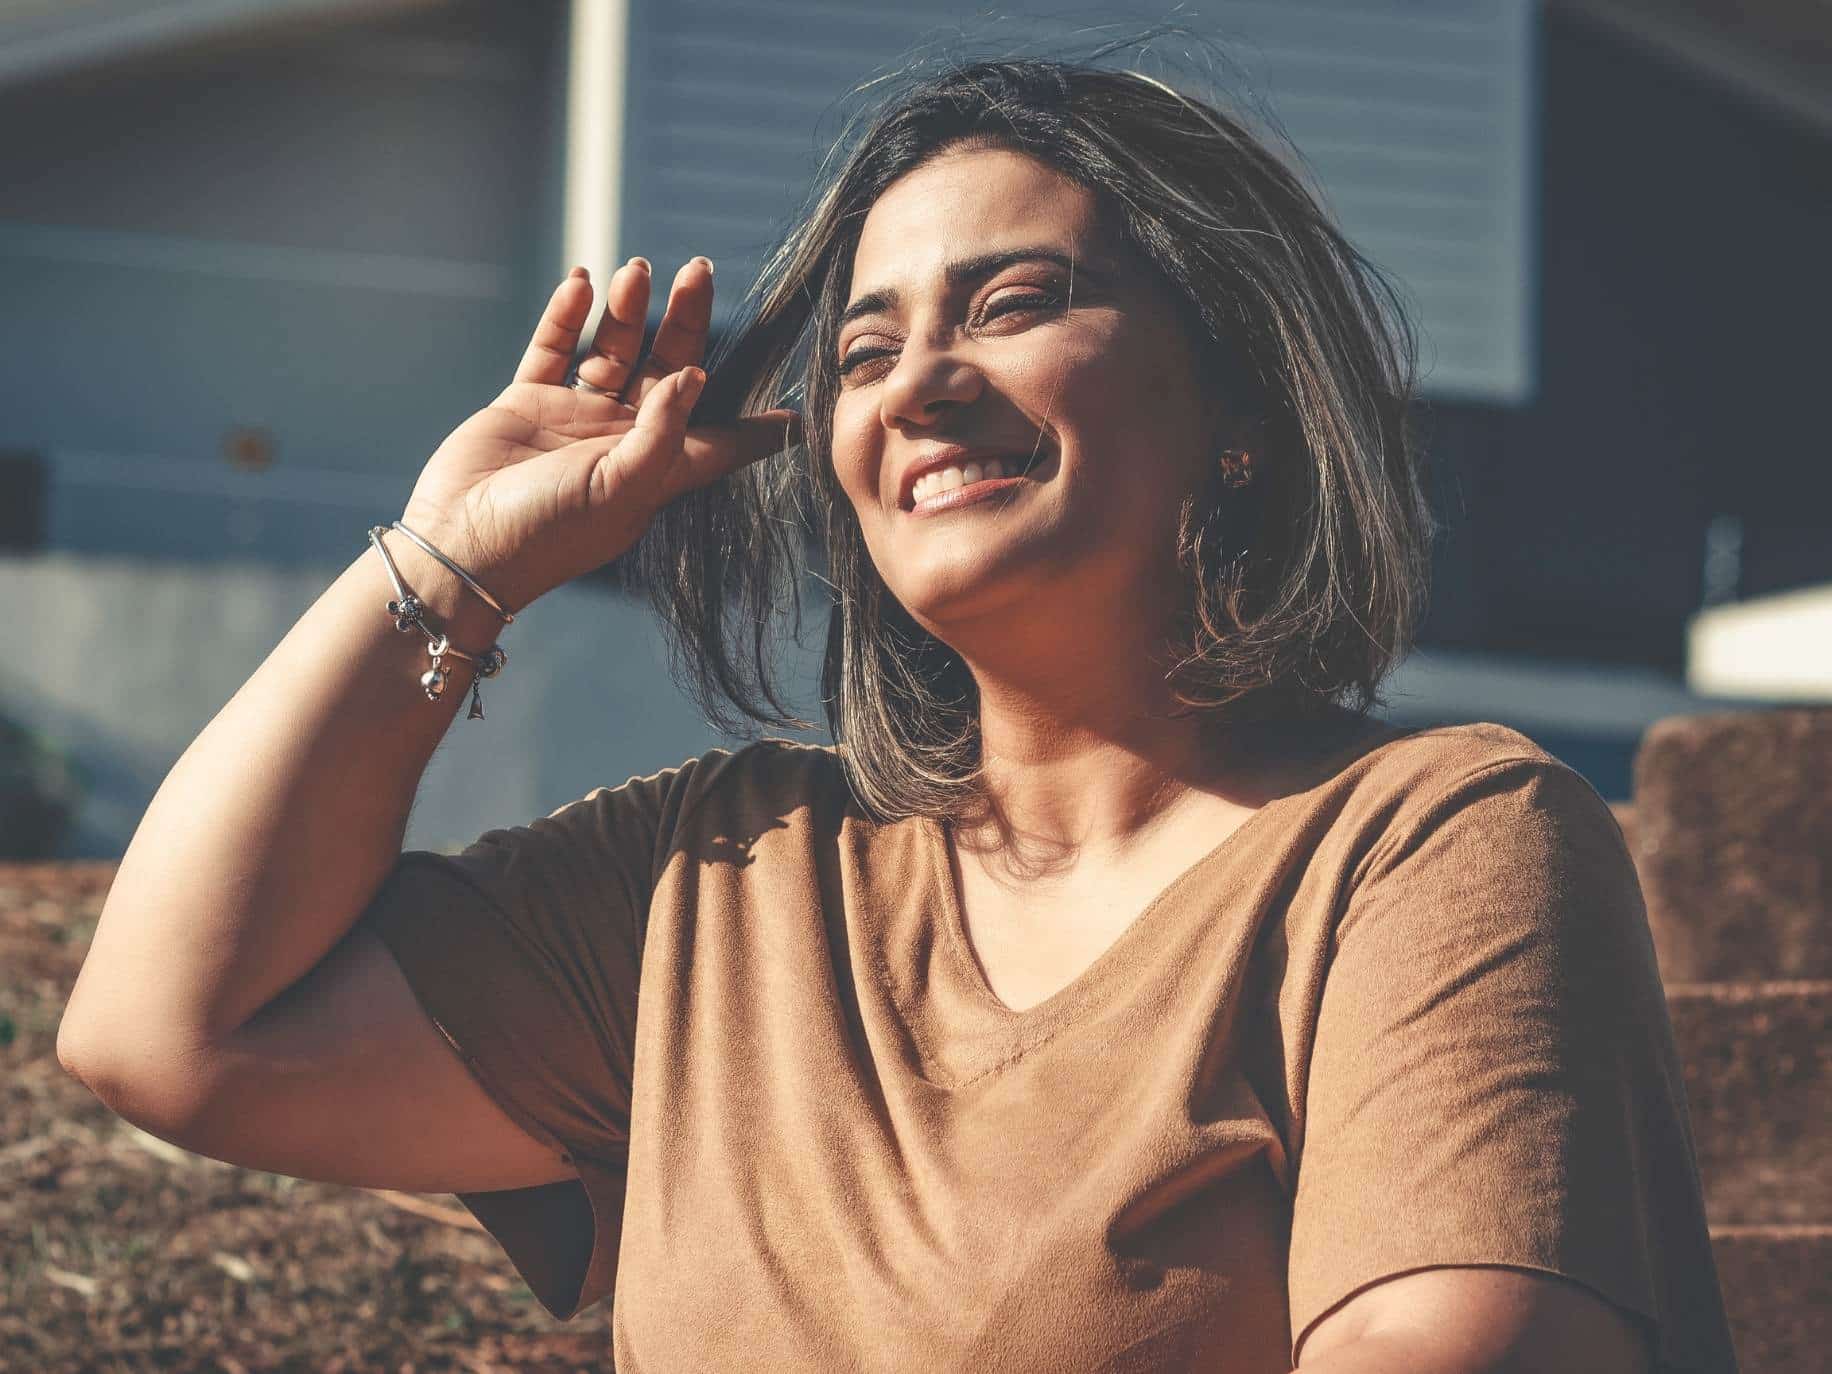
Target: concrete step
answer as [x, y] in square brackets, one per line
[1731, 829]
[1757, 1059]
[1777, 1283]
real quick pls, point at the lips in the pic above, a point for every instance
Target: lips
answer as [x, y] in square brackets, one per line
[1013, 461]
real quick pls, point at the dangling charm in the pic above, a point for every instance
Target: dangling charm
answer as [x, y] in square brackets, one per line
[433, 679]
[476, 711]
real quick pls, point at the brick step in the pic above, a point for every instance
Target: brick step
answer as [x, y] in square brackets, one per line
[1777, 1283]
[1758, 1069]
[1731, 829]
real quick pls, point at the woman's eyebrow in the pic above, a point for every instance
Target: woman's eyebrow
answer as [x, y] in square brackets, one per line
[964, 271]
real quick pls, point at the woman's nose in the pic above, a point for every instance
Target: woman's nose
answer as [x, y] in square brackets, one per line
[925, 381]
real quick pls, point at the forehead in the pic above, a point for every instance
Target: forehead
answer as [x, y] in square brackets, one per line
[966, 202]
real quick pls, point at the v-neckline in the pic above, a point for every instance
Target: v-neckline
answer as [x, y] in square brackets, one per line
[1070, 995]
[1041, 1018]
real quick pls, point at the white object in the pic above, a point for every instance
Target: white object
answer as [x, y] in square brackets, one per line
[1777, 647]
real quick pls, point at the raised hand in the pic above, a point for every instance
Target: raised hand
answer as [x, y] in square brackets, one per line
[548, 481]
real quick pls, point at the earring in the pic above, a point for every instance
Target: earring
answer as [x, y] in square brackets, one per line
[1236, 467]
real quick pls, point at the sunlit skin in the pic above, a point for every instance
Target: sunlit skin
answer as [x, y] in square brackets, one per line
[1060, 597]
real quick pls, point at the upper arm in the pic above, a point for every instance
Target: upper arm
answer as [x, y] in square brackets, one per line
[1458, 1319]
[1492, 1078]
[343, 1078]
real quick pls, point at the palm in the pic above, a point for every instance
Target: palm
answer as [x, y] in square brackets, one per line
[549, 481]
[486, 460]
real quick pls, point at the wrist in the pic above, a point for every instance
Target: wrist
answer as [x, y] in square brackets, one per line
[452, 609]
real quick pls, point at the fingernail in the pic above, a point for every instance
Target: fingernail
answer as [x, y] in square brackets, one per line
[642, 263]
[580, 272]
[693, 378]
[707, 262]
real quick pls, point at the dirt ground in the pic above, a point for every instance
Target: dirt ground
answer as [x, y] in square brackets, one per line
[122, 1252]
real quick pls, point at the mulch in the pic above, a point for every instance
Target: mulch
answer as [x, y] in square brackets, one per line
[124, 1253]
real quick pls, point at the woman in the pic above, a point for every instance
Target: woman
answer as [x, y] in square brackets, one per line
[1114, 995]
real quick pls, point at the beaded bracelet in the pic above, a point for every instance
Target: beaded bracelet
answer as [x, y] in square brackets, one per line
[409, 614]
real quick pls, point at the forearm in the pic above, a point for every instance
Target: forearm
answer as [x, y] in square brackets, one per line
[1395, 1353]
[278, 824]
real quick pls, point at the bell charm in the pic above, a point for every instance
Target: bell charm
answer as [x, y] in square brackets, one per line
[433, 680]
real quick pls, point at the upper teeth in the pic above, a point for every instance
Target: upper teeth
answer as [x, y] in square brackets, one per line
[965, 475]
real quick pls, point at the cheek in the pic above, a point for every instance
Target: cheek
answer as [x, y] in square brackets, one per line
[1121, 407]
[856, 456]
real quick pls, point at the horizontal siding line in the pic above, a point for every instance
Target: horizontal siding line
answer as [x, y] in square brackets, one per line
[777, 13]
[732, 223]
[1475, 244]
[1417, 244]
[1270, 64]
[1445, 294]
[1371, 108]
[1403, 197]
[1319, 148]
[195, 477]
[753, 94]
[281, 263]
[1223, 24]
[1283, 10]
[726, 137]
[719, 178]
[740, 95]
[746, 50]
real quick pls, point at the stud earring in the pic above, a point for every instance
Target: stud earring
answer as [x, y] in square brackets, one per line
[1236, 467]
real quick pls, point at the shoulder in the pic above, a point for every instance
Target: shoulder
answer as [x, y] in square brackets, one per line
[777, 776]
[1414, 773]
[1465, 790]
[1424, 760]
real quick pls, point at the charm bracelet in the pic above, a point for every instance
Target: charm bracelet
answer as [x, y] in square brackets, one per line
[409, 614]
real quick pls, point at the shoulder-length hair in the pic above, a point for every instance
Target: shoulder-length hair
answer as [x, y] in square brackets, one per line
[1304, 595]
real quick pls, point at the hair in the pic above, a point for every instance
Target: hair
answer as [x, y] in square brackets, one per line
[1305, 586]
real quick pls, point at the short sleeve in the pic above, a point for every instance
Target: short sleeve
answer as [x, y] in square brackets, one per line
[1493, 1078]
[526, 952]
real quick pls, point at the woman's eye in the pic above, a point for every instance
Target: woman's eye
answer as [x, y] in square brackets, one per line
[860, 356]
[1004, 305]
[999, 305]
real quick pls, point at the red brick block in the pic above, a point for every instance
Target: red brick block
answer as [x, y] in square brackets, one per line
[1777, 1283]
[1732, 836]
[1758, 1064]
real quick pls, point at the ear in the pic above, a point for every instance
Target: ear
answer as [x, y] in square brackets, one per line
[1241, 431]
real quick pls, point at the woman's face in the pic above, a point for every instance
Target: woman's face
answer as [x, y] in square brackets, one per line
[992, 312]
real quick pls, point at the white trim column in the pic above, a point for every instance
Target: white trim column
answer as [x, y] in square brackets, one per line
[597, 62]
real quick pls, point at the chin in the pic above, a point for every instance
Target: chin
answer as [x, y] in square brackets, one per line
[946, 599]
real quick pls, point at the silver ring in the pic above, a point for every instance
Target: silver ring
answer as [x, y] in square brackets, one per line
[578, 383]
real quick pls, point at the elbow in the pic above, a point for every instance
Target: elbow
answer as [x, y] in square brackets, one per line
[153, 1087]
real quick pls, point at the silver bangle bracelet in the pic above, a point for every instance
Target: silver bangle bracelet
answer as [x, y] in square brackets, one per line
[409, 614]
[464, 576]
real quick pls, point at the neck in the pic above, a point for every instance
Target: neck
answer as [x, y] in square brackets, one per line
[1084, 747]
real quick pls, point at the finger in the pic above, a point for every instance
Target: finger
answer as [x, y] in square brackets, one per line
[680, 339]
[656, 437]
[557, 335]
[563, 411]
[711, 452]
[617, 341]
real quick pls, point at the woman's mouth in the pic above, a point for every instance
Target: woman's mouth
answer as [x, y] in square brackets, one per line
[958, 485]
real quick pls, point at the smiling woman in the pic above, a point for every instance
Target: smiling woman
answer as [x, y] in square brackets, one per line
[1122, 270]
[1111, 994]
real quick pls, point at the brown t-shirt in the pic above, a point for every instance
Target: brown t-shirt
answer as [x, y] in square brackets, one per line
[1408, 1015]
